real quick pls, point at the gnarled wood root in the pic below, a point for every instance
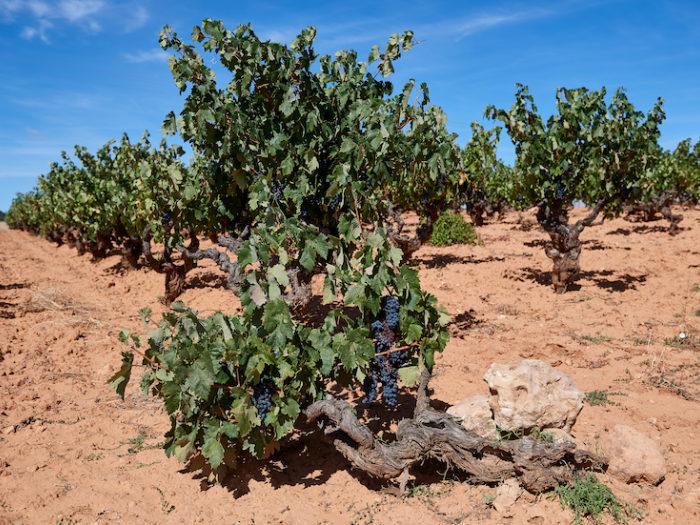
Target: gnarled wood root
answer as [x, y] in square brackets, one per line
[430, 434]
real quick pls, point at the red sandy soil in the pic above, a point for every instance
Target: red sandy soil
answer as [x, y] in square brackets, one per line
[71, 451]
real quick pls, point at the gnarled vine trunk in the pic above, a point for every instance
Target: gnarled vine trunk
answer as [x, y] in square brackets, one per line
[657, 204]
[131, 252]
[299, 294]
[432, 434]
[410, 245]
[174, 274]
[478, 211]
[564, 248]
[234, 277]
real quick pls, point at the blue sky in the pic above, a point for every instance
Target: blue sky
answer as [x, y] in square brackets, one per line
[85, 71]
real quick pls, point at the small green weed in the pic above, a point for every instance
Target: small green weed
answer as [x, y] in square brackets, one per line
[592, 498]
[94, 457]
[586, 339]
[137, 465]
[695, 288]
[489, 499]
[641, 341]
[600, 398]
[451, 228]
[138, 444]
[519, 433]
[166, 507]
[423, 493]
[67, 520]
[543, 436]
[682, 340]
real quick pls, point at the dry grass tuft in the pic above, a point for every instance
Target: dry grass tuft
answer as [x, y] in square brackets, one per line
[72, 312]
[54, 300]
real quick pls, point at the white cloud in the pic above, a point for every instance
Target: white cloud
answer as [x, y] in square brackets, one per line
[76, 12]
[8, 7]
[155, 55]
[139, 17]
[40, 31]
[282, 36]
[39, 9]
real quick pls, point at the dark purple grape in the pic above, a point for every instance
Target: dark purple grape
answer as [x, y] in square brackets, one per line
[262, 397]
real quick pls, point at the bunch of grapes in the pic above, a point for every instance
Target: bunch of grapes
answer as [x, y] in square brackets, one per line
[166, 217]
[390, 309]
[369, 387]
[560, 191]
[626, 192]
[384, 367]
[278, 191]
[262, 397]
[335, 202]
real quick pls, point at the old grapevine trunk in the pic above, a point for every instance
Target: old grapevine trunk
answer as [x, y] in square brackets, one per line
[410, 244]
[432, 434]
[564, 248]
[175, 274]
[657, 204]
[298, 295]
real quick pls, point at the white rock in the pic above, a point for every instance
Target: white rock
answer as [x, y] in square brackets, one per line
[475, 414]
[531, 394]
[634, 457]
[507, 494]
[561, 436]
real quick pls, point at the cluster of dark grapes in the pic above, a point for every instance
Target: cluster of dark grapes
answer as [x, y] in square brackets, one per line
[335, 202]
[224, 366]
[278, 190]
[560, 191]
[390, 309]
[626, 192]
[262, 397]
[166, 217]
[384, 368]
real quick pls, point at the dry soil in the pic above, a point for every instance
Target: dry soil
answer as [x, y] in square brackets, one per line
[71, 451]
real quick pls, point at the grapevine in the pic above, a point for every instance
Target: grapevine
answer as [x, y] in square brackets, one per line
[302, 166]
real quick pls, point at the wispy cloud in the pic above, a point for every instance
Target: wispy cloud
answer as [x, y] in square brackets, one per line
[82, 13]
[155, 55]
[76, 10]
[30, 32]
[282, 36]
[138, 19]
[34, 134]
[482, 23]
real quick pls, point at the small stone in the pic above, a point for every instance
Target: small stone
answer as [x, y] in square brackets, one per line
[507, 494]
[475, 414]
[9, 430]
[634, 457]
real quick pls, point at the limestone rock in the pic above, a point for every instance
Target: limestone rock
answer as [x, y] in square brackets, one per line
[531, 394]
[561, 436]
[475, 414]
[507, 494]
[634, 457]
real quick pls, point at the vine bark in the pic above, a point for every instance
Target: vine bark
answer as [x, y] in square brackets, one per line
[432, 434]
